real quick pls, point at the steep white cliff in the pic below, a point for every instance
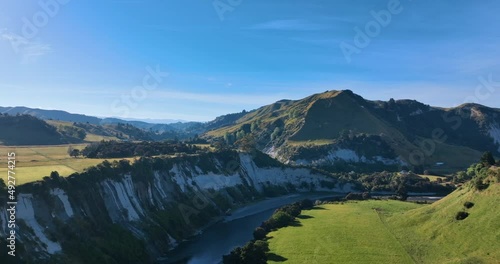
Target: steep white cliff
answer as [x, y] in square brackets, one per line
[349, 155]
[131, 203]
[26, 213]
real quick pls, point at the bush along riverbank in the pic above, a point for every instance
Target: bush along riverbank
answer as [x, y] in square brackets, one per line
[256, 251]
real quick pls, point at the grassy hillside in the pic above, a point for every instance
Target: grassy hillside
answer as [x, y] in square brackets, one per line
[396, 232]
[27, 130]
[322, 123]
[419, 134]
[432, 234]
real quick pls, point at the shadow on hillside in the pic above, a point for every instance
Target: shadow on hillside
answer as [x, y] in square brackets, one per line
[276, 258]
[318, 208]
[295, 224]
[304, 217]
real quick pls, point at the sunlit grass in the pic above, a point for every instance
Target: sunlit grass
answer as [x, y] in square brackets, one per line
[348, 233]
[35, 162]
[396, 232]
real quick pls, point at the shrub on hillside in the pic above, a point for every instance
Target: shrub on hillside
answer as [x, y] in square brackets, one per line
[461, 216]
[479, 184]
[468, 205]
[487, 159]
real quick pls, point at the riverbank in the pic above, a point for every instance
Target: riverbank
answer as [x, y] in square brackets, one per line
[273, 203]
[235, 230]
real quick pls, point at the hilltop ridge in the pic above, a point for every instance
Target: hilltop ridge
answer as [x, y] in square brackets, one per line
[340, 126]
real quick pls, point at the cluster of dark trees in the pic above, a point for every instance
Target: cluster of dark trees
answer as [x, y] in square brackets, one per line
[116, 149]
[73, 132]
[479, 172]
[478, 169]
[254, 252]
[397, 182]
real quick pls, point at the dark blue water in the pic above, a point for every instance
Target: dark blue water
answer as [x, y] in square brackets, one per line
[221, 238]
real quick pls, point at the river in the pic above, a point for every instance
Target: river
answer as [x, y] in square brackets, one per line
[236, 230]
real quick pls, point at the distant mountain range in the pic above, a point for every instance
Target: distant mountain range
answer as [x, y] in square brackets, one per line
[176, 126]
[335, 128]
[69, 117]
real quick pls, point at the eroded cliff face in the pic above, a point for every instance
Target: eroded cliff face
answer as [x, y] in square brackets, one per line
[140, 214]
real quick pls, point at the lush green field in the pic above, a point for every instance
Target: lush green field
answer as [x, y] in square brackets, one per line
[396, 232]
[35, 162]
[342, 233]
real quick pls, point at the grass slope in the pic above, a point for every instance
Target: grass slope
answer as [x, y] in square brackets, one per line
[432, 235]
[348, 233]
[396, 232]
[321, 118]
[27, 130]
[324, 121]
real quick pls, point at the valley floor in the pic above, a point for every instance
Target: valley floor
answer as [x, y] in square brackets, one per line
[35, 162]
[341, 233]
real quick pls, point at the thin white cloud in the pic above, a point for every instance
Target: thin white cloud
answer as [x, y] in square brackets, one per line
[30, 51]
[288, 25]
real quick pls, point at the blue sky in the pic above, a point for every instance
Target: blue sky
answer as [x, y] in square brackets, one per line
[90, 56]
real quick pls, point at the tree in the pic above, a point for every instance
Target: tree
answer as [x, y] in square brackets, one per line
[254, 126]
[402, 192]
[54, 175]
[306, 204]
[240, 134]
[70, 150]
[2, 184]
[253, 253]
[276, 133]
[229, 138]
[487, 159]
[262, 245]
[259, 233]
[233, 258]
[281, 219]
[75, 153]
[247, 143]
[392, 103]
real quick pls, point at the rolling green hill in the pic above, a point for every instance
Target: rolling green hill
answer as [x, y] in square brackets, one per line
[431, 234]
[340, 126]
[397, 232]
[27, 130]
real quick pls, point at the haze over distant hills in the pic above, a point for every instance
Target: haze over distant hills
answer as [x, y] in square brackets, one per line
[70, 117]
